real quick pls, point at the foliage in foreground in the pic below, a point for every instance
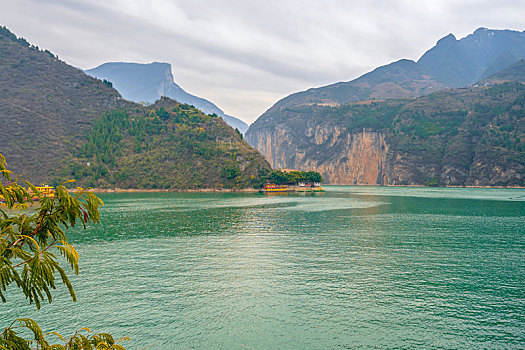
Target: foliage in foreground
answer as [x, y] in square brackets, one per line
[31, 235]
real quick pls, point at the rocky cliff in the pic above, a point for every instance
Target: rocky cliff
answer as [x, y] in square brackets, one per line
[402, 124]
[362, 158]
[460, 137]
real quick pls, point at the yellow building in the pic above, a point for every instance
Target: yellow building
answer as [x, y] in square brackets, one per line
[46, 191]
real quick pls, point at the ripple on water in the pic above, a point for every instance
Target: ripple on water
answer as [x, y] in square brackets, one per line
[353, 268]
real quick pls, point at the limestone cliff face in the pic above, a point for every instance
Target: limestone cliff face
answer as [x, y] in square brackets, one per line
[342, 158]
[363, 162]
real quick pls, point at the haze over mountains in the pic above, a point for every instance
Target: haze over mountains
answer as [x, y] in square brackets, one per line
[322, 129]
[148, 82]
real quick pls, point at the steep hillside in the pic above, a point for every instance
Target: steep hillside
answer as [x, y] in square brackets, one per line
[169, 146]
[46, 106]
[458, 137]
[515, 72]
[58, 123]
[148, 82]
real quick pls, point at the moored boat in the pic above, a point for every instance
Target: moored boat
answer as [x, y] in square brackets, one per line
[301, 187]
[273, 188]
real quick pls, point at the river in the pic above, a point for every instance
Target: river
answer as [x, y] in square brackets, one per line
[355, 267]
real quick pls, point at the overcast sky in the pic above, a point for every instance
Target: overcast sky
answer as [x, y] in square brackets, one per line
[245, 55]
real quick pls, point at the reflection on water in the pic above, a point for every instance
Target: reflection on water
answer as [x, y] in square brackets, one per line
[351, 268]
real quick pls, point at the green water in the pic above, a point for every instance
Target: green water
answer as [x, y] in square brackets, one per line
[355, 267]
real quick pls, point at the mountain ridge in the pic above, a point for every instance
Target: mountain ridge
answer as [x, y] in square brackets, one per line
[463, 62]
[366, 131]
[458, 137]
[147, 82]
[406, 78]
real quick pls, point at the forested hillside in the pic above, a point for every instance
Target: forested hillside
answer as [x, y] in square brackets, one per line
[45, 106]
[58, 123]
[166, 146]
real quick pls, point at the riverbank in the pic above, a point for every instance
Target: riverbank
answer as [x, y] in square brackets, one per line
[423, 186]
[137, 190]
[466, 186]
[253, 190]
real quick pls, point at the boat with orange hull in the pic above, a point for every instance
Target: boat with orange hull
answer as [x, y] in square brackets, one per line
[273, 188]
[301, 187]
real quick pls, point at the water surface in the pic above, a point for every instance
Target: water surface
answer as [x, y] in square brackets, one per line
[355, 267]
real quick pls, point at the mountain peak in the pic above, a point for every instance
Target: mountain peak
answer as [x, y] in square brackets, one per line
[149, 81]
[480, 30]
[447, 39]
[463, 62]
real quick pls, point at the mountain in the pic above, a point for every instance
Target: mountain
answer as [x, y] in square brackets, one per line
[167, 145]
[315, 129]
[457, 137]
[450, 63]
[148, 82]
[401, 79]
[57, 123]
[459, 63]
[515, 72]
[46, 107]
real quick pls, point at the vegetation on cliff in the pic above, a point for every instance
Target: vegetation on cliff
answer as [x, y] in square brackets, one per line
[292, 177]
[473, 136]
[165, 146]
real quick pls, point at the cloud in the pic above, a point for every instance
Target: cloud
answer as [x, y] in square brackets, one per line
[243, 55]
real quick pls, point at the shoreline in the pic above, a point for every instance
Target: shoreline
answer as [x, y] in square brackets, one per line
[423, 186]
[253, 190]
[137, 190]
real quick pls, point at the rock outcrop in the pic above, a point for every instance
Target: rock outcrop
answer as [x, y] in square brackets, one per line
[363, 160]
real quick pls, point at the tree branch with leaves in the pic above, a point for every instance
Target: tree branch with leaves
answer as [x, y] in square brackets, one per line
[32, 236]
